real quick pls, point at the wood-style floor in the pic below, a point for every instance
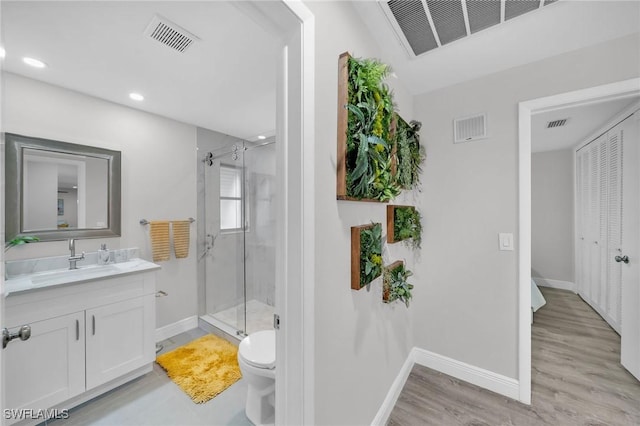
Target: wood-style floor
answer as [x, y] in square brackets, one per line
[576, 374]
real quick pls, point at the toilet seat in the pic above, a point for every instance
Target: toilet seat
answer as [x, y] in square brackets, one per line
[259, 349]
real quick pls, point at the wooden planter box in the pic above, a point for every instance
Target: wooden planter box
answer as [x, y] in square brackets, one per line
[385, 289]
[391, 213]
[355, 255]
[343, 119]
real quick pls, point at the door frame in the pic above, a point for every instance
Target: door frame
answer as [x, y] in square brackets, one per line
[295, 234]
[295, 374]
[526, 109]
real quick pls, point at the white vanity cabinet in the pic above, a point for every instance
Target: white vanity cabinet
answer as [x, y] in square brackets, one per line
[49, 367]
[86, 338]
[119, 339]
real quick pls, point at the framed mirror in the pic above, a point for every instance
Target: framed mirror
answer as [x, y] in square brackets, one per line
[59, 190]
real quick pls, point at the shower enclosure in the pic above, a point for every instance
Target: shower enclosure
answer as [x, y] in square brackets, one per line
[239, 237]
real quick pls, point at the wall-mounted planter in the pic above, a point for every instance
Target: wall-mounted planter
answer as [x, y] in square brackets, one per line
[395, 285]
[385, 282]
[404, 224]
[366, 254]
[410, 155]
[366, 160]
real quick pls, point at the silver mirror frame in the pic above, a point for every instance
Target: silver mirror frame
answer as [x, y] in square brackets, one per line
[14, 148]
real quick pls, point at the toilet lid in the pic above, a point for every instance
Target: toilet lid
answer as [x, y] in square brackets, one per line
[259, 349]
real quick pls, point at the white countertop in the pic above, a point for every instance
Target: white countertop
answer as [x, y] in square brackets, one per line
[47, 279]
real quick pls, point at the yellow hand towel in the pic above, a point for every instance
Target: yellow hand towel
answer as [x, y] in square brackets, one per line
[181, 238]
[159, 233]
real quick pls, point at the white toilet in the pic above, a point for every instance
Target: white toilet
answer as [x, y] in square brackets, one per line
[257, 359]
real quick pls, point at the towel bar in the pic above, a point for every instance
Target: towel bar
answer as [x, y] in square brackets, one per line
[146, 222]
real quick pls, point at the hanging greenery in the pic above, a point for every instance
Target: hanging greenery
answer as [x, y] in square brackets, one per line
[369, 139]
[370, 254]
[407, 226]
[395, 285]
[409, 152]
[20, 240]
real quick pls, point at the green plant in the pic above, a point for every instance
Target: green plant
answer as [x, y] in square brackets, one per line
[19, 240]
[407, 226]
[395, 285]
[410, 154]
[370, 254]
[369, 144]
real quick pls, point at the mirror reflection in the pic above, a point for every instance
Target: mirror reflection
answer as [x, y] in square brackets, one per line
[63, 191]
[58, 190]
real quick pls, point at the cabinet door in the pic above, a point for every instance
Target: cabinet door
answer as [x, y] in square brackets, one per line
[614, 228]
[48, 368]
[120, 338]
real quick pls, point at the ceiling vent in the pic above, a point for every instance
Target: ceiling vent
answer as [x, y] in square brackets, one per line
[471, 128]
[557, 123]
[169, 34]
[424, 25]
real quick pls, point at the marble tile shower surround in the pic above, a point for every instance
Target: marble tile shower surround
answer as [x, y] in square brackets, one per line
[16, 268]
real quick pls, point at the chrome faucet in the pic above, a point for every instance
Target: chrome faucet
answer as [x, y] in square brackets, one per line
[74, 258]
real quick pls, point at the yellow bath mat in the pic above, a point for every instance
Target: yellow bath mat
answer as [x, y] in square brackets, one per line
[181, 230]
[159, 233]
[203, 368]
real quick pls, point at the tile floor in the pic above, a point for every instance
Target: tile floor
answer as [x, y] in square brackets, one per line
[259, 316]
[155, 400]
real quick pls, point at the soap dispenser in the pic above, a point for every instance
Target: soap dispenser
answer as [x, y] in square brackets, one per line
[103, 254]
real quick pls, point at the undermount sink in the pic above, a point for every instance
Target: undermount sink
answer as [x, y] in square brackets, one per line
[36, 274]
[83, 272]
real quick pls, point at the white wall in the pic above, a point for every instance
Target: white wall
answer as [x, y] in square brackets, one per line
[96, 195]
[552, 215]
[158, 177]
[360, 343]
[41, 199]
[466, 304]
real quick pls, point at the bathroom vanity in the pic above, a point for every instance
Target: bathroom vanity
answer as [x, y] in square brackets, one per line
[91, 329]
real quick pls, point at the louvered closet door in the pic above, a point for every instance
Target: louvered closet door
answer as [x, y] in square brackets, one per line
[614, 227]
[582, 218]
[579, 221]
[593, 232]
[602, 238]
[599, 223]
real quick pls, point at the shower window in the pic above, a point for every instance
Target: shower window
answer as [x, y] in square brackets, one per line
[230, 198]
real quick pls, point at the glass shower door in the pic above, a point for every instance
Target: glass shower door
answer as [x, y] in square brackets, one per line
[225, 222]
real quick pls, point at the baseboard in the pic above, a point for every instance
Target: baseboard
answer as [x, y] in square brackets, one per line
[176, 328]
[394, 392]
[475, 375]
[562, 285]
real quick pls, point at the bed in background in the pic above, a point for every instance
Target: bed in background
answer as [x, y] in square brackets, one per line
[537, 299]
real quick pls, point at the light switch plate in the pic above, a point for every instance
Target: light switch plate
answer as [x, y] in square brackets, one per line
[506, 241]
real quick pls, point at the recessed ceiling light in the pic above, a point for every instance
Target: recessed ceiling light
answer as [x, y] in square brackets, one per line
[34, 62]
[3, 53]
[261, 137]
[136, 96]
[75, 187]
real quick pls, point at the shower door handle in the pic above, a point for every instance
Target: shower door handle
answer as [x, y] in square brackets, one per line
[624, 259]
